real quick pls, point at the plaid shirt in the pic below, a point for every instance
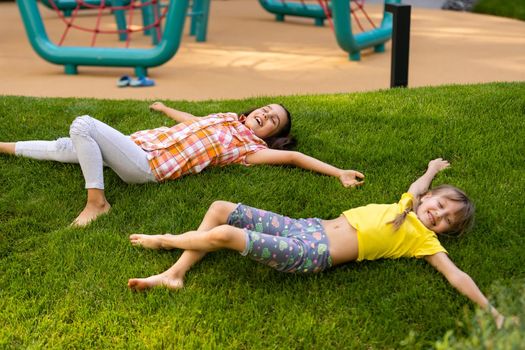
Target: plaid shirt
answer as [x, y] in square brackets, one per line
[189, 147]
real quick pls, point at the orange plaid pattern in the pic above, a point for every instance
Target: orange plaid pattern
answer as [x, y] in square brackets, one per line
[190, 147]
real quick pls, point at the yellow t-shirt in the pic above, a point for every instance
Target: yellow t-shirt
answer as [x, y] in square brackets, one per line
[377, 238]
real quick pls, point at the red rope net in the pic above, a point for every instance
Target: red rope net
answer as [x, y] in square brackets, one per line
[356, 7]
[102, 8]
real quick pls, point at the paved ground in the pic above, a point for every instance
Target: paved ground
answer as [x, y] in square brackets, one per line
[249, 54]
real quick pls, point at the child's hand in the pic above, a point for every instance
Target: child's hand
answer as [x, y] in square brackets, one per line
[157, 106]
[350, 178]
[438, 164]
[499, 319]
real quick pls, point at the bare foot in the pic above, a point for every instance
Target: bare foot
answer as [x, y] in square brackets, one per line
[146, 241]
[90, 213]
[140, 284]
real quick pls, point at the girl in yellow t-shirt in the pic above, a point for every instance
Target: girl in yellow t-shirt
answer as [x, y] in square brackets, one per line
[408, 228]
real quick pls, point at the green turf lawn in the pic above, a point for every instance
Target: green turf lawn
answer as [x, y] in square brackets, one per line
[62, 287]
[507, 8]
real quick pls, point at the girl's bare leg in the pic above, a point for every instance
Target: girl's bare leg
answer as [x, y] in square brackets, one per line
[96, 205]
[173, 278]
[7, 147]
[223, 236]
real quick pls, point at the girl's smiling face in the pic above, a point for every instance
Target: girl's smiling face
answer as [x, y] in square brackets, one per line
[438, 213]
[267, 121]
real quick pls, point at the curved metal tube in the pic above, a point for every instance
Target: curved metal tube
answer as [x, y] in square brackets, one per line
[293, 8]
[353, 44]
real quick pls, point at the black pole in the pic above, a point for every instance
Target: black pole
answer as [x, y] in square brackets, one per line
[400, 44]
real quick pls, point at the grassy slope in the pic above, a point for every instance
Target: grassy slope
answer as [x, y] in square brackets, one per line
[63, 287]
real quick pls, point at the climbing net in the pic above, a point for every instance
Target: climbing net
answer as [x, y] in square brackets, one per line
[153, 13]
[125, 12]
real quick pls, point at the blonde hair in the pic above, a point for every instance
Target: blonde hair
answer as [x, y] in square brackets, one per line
[465, 216]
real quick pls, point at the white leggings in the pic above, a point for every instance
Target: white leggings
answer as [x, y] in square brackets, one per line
[93, 144]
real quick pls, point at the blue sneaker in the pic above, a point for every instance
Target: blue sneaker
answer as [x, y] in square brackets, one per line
[141, 81]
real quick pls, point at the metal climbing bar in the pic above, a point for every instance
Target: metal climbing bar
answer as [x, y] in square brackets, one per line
[200, 11]
[73, 56]
[281, 8]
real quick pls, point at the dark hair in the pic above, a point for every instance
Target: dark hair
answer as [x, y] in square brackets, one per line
[465, 216]
[283, 140]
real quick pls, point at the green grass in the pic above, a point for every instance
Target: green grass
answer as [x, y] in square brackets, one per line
[508, 8]
[66, 288]
[481, 331]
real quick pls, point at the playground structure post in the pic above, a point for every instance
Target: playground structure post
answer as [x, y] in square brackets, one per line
[400, 43]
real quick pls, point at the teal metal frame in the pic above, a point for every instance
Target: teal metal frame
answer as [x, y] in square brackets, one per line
[73, 56]
[199, 11]
[353, 44]
[199, 14]
[282, 8]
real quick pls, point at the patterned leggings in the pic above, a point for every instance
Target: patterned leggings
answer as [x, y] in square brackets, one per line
[288, 245]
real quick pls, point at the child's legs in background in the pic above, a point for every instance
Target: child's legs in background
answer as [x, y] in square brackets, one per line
[63, 150]
[60, 150]
[97, 143]
[7, 147]
[93, 144]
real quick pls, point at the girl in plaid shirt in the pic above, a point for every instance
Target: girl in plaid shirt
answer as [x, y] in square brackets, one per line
[167, 153]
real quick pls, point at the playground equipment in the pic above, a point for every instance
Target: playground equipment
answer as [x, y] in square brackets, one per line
[299, 9]
[200, 10]
[68, 7]
[340, 11]
[140, 59]
[150, 13]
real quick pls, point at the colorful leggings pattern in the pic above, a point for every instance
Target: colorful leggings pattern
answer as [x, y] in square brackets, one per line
[286, 244]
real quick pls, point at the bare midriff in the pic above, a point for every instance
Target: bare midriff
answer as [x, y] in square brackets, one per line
[343, 240]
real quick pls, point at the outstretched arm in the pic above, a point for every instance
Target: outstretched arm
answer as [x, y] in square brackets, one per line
[463, 283]
[174, 114]
[271, 156]
[422, 184]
